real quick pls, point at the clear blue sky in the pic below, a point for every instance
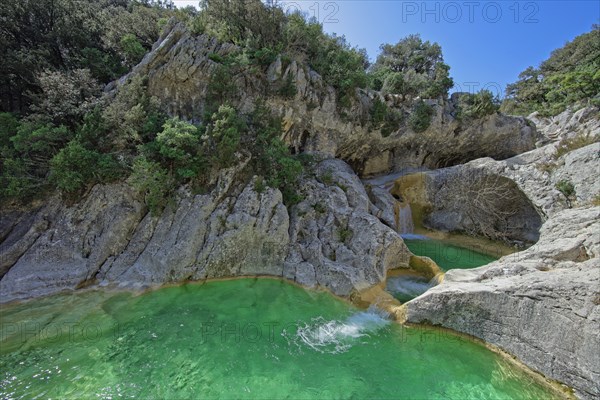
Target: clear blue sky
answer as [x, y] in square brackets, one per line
[486, 43]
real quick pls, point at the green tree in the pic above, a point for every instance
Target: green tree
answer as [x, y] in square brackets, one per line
[66, 96]
[154, 183]
[221, 89]
[132, 117]
[179, 144]
[75, 167]
[569, 77]
[225, 132]
[132, 49]
[420, 118]
[9, 126]
[272, 157]
[412, 67]
[478, 105]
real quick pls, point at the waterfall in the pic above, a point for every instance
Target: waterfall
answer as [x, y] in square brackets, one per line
[404, 219]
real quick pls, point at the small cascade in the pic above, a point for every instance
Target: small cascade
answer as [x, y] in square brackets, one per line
[407, 287]
[404, 218]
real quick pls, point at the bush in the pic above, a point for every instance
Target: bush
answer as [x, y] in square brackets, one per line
[420, 118]
[340, 65]
[264, 56]
[478, 105]
[391, 124]
[288, 89]
[379, 111]
[132, 117]
[567, 189]
[225, 133]
[132, 49]
[153, 182]
[40, 140]
[17, 180]
[74, 168]
[9, 125]
[272, 157]
[344, 234]
[221, 89]
[179, 144]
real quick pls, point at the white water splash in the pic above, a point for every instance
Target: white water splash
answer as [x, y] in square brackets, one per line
[338, 336]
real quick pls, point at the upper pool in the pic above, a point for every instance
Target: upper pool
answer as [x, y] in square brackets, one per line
[448, 256]
[248, 338]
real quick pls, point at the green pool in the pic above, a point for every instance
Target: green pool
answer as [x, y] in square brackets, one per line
[250, 338]
[448, 256]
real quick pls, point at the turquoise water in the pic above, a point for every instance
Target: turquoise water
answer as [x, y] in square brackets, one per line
[249, 338]
[448, 256]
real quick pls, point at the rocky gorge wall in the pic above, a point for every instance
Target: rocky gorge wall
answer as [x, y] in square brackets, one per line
[178, 71]
[328, 240]
[510, 199]
[542, 305]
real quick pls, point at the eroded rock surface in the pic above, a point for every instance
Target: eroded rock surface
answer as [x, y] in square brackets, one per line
[179, 69]
[511, 198]
[330, 239]
[335, 241]
[542, 304]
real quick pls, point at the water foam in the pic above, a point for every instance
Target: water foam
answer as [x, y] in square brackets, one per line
[338, 336]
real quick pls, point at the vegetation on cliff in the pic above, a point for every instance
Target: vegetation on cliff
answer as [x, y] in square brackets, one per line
[58, 130]
[569, 77]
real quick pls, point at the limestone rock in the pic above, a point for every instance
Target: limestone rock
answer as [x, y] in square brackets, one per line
[569, 123]
[530, 180]
[335, 241]
[329, 240]
[179, 69]
[541, 305]
[69, 248]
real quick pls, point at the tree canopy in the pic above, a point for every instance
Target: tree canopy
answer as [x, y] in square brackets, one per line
[59, 131]
[412, 67]
[570, 77]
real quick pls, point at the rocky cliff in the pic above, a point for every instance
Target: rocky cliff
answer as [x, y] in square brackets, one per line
[542, 304]
[509, 199]
[329, 240]
[180, 66]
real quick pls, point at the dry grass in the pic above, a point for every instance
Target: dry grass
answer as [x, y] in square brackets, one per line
[569, 144]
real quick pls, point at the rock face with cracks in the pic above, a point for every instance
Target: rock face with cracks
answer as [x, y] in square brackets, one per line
[541, 305]
[178, 71]
[328, 240]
